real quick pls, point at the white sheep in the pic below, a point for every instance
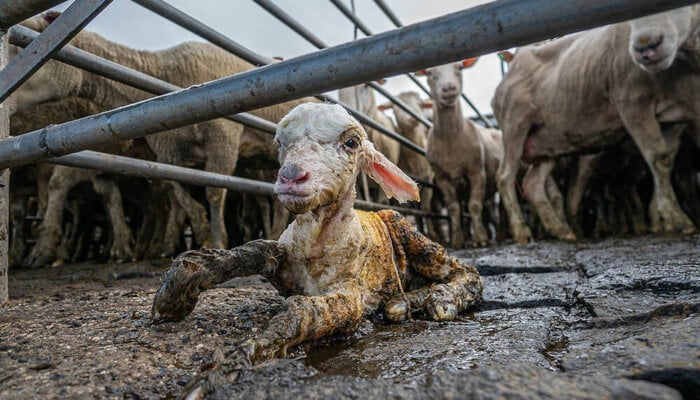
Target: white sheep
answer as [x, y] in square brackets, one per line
[581, 93]
[337, 263]
[462, 153]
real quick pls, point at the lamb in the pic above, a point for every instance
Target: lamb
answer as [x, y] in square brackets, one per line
[337, 263]
[581, 93]
[214, 144]
[361, 98]
[459, 151]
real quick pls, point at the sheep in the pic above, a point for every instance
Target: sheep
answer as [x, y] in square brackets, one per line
[215, 144]
[581, 93]
[459, 151]
[361, 98]
[337, 263]
[53, 189]
[414, 164]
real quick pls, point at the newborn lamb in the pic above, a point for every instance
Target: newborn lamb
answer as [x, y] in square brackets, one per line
[335, 263]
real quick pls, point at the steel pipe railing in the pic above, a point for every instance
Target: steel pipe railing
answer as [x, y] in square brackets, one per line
[115, 164]
[23, 36]
[390, 14]
[316, 41]
[13, 11]
[178, 17]
[4, 183]
[468, 33]
[56, 35]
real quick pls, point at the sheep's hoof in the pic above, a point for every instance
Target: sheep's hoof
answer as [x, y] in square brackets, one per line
[396, 310]
[38, 260]
[480, 243]
[441, 304]
[522, 235]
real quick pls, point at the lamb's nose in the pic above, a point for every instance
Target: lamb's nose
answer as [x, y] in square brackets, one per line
[293, 174]
[647, 42]
[449, 88]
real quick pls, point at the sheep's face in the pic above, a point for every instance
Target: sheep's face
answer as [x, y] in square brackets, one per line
[319, 152]
[322, 149]
[414, 102]
[445, 83]
[655, 40]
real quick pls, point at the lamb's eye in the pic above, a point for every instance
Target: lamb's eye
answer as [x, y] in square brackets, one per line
[351, 143]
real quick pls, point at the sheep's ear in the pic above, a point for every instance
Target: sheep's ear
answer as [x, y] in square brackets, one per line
[50, 16]
[421, 72]
[426, 104]
[505, 55]
[393, 181]
[384, 107]
[380, 81]
[469, 62]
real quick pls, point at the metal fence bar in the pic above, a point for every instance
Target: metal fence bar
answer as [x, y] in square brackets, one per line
[390, 14]
[13, 11]
[313, 39]
[4, 182]
[152, 170]
[56, 35]
[22, 36]
[480, 30]
[178, 17]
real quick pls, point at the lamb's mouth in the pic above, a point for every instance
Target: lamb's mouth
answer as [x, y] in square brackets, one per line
[294, 196]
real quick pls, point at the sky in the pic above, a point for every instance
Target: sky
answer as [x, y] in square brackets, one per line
[250, 25]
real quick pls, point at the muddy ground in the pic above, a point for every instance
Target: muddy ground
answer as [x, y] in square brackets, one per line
[615, 319]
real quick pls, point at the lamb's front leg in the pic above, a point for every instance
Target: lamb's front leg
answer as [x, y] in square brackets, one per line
[458, 285]
[194, 271]
[306, 318]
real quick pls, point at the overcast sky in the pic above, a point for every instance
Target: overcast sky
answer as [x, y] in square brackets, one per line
[248, 24]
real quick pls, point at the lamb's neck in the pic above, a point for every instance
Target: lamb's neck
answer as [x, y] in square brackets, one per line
[330, 223]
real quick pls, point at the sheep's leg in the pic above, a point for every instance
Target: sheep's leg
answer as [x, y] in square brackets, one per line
[197, 270]
[173, 227]
[586, 165]
[665, 213]
[217, 202]
[196, 213]
[62, 181]
[555, 197]
[121, 245]
[454, 209]
[18, 236]
[477, 193]
[534, 187]
[306, 318]
[459, 284]
[513, 141]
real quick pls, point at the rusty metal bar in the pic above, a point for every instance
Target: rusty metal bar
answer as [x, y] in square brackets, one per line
[476, 31]
[390, 14]
[56, 35]
[13, 11]
[22, 36]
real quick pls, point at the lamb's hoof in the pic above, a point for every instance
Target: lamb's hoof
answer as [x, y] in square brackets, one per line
[178, 293]
[396, 310]
[522, 235]
[441, 304]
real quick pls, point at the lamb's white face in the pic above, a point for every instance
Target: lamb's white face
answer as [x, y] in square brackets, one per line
[320, 152]
[655, 40]
[413, 101]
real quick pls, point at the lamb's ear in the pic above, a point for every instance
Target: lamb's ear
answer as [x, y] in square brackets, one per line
[469, 62]
[393, 181]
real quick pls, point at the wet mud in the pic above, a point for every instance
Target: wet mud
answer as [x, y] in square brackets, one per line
[613, 319]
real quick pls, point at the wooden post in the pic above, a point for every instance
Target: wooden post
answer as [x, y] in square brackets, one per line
[4, 182]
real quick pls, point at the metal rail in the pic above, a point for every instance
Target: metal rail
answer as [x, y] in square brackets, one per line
[23, 36]
[180, 18]
[288, 20]
[390, 14]
[56, 35]
[468, 33]
[13, 11]
[4, 182]
[152, 170]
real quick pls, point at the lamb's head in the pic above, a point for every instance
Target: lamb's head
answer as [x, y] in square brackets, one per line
[445, 81]
[322, 150]
[654, 40]
[360, 97]
[412, 99]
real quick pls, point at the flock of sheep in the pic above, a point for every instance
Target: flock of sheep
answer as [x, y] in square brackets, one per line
[580, 115]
